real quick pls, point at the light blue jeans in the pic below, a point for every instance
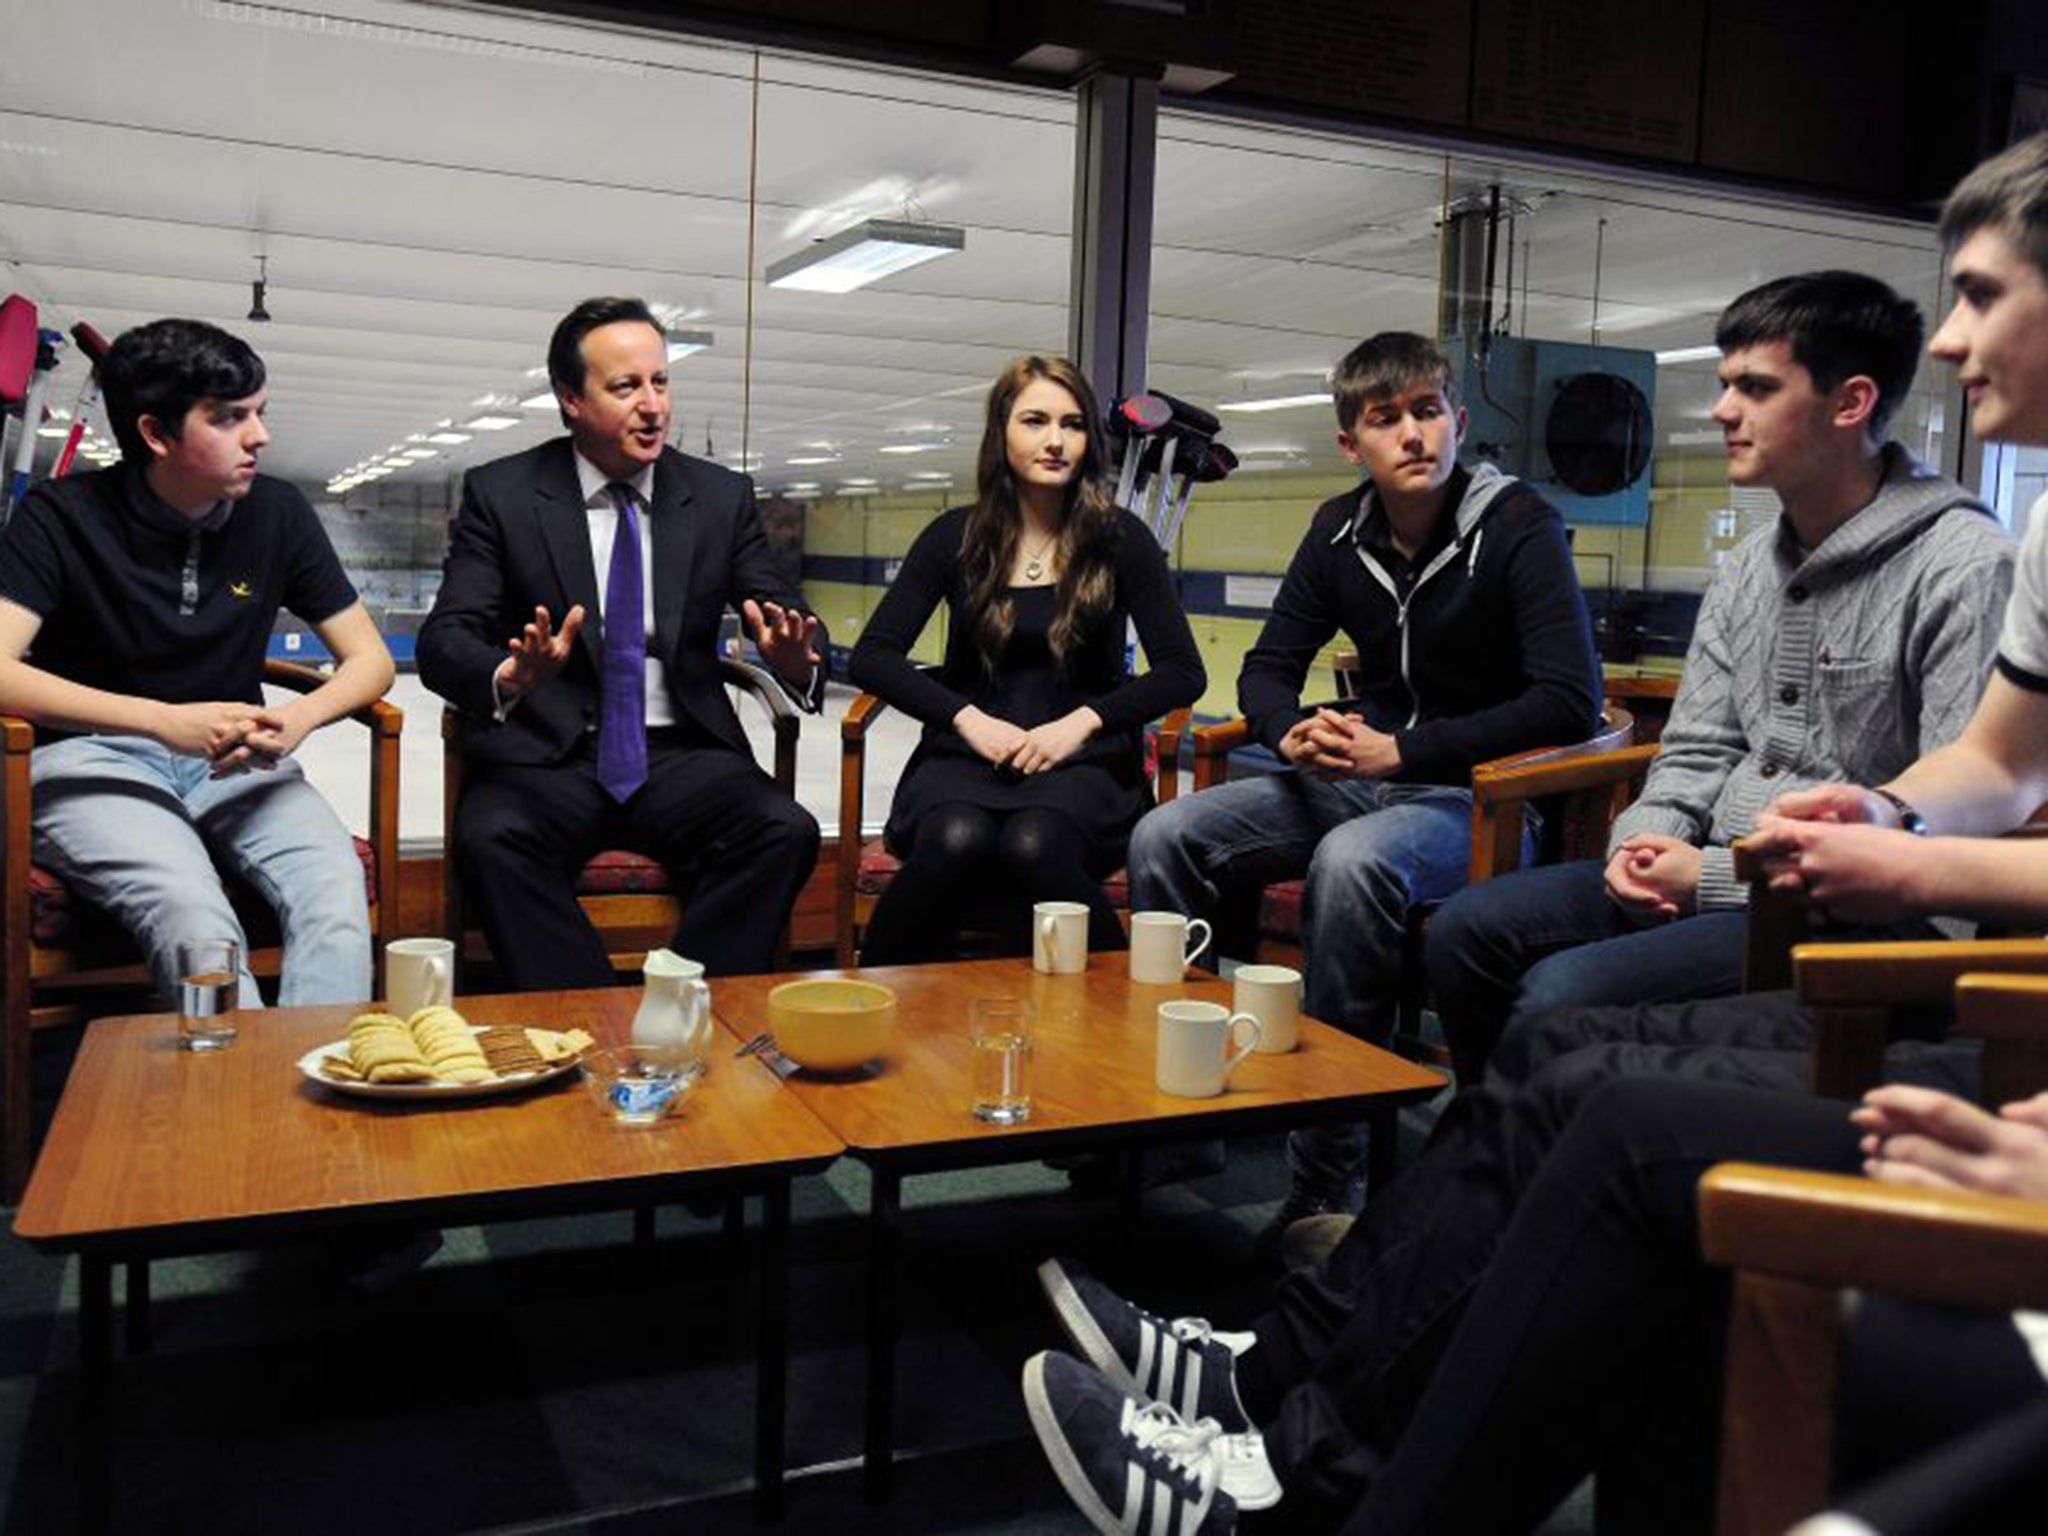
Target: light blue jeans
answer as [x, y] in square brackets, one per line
[1370, 852]
[138, 831]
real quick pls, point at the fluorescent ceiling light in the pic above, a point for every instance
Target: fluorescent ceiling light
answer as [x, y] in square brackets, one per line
[421, 453]
[912, 447]
[862, 484]
[683, 343]
[541, 402]
[801, 485]
[448, 438]
[491, 423]
[931, 474]
[53, 431]
[1688, 355]
[1277, 402]
[798, 492]
[814, 458]
[868, 251]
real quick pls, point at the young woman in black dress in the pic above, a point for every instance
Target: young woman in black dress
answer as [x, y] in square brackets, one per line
[1031, 771]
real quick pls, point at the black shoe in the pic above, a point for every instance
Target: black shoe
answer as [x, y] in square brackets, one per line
[1304, 1199]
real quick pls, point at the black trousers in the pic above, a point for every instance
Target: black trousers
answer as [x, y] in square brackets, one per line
[1349, 1351]
[736, 847]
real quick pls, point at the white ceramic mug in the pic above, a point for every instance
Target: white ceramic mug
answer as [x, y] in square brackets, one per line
[418, 973]
[1272, 995]
[1160, 949]
[1193, 1039]
[1059, 938]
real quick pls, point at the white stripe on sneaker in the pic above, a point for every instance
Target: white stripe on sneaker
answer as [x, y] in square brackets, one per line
[1134, 1497]
[1148, 1344]
[1160, 1388]
[1191, 1387]
[1163, 1500]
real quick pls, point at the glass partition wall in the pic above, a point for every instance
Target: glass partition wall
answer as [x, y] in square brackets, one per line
[418, 238]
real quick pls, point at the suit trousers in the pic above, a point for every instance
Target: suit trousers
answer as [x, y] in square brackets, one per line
[736, 847]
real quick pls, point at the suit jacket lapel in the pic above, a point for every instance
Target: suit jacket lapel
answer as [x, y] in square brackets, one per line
[565, 526]
[673, 533]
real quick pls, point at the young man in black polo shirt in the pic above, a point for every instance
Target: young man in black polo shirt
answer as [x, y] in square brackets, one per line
[136, 604]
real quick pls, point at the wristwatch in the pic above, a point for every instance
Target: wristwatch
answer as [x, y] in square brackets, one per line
[1910, 820]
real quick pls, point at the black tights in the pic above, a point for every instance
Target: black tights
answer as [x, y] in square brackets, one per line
[971, 867]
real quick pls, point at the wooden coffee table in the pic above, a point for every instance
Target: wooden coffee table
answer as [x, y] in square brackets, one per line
[157, 1152]
[1092, 1089]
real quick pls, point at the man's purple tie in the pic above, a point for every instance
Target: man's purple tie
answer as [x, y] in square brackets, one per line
[622, 725]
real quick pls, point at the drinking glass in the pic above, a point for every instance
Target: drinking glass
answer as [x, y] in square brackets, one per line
[209, 992]
[999, 1029]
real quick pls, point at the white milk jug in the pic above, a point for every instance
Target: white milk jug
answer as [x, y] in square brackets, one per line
[675, 1008]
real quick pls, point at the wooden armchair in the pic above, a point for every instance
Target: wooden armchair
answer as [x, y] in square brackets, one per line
[1796, 1240]
[1579, 788]
[865, 867]
[627, 896]
[62, 956]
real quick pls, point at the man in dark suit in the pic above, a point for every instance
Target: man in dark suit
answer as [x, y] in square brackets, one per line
[609, 726]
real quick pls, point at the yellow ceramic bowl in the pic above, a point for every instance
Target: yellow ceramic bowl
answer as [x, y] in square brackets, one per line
[829, 1025]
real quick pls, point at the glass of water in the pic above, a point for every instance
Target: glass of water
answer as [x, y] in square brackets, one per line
[209, 992]
[999, 1029]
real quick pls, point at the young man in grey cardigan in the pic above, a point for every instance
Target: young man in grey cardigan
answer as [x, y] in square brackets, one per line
[1841, 643]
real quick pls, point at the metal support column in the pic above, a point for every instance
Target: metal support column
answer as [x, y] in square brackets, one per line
[1109, 302]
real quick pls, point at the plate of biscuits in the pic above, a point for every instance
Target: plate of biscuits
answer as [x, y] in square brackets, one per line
[438, 1054]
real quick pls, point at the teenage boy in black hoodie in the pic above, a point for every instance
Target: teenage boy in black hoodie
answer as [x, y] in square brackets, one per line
[1456, 589]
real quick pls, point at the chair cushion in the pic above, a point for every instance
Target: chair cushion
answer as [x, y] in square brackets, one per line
[878, 867]
[54, 912]
[616, 872]
[1280, 911]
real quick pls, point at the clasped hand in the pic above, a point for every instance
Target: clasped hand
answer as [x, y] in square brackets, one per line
[1932, 1140]
[233, 736]
[1339, 746]
[1654, 878]
[1008, 745]
[1836, 846]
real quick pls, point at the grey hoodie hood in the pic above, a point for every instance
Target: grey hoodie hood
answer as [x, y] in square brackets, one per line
[1484, 485]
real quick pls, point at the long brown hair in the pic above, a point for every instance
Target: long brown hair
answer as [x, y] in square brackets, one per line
[1087, 584]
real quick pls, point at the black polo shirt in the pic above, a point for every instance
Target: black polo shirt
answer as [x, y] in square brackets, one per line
[137, 600]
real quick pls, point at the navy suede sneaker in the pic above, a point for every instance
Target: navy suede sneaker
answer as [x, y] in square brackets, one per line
[1185, 1364]
[1128, 1466]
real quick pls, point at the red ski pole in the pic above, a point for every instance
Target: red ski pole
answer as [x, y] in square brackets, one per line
[94, 346]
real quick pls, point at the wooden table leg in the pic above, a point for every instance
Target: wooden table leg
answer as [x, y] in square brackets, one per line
[885, 1202]
[771, 1351]
[135, 1314]
[95, 1392]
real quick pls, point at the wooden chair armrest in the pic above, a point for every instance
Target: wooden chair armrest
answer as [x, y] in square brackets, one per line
[20, 735]
[1560, 771]
[860, 714]
[758, 681]
[784, 718]
[1954, 1247]
[1906, 974]
[1167, 744]
[1213, 746]
[382, 716]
